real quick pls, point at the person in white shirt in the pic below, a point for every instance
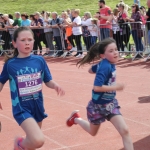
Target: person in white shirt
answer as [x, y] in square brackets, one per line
[77, 32]
[48, 34]
[9, 23]
[93, 31]
[86, 22]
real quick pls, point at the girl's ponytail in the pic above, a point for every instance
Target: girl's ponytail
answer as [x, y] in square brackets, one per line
[95, 51]
[15, 54]
[91, 55]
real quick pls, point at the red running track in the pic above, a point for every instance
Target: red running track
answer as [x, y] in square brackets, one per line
[134, 102]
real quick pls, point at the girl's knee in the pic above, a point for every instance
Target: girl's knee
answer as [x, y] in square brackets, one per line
[38, 141]
[124, 131]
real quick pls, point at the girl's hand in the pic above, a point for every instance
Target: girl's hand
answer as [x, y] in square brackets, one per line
[59, 90]
[119, 87]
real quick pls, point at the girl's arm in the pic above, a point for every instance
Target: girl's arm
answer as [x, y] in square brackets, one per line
[91, 71]
[53, 85]
[72, 24]
[105, 88]
[1, 86]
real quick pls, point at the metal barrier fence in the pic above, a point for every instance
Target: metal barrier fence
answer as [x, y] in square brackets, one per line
[131, 38]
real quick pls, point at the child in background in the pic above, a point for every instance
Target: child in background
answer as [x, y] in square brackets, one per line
[26, 73]
[93, 31]
[103, 105]
[113, 19]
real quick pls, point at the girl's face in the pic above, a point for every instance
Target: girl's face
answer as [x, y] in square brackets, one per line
[85, 16]
[120, 8]
[24, 43]
[133, 8]
[31, 18]
[23, 18]
[111, 53]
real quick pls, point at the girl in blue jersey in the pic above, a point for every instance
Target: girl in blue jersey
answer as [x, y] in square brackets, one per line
[26, 73]
[103, 105]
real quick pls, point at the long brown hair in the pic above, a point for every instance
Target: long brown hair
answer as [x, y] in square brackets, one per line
[15, 36]
[95, 51]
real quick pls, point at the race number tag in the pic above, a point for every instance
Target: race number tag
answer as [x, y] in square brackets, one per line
[29, 84]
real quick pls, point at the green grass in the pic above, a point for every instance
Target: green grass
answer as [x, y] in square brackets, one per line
[30, 6]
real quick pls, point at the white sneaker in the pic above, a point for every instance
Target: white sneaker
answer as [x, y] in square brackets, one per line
[79, 56]
[74, 49]
[147, 51]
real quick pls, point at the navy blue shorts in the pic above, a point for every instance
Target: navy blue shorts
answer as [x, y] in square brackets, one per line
[29, 109]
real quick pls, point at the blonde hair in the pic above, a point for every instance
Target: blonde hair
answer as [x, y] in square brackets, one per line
[5, 15]
[65, 13]
[48, 13]
[55, 13]
[94, 21]
[77, 11]
[115, 11]
[37, 13]
[88, 14]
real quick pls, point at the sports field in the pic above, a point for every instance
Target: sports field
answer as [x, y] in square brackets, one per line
[134, 102]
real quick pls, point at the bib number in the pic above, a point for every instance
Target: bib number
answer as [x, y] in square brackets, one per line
[29, 84]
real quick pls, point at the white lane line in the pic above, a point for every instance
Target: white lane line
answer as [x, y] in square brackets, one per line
[71, 103]
[57, 143]
[4, 116]
[136, 122]
[52, 128]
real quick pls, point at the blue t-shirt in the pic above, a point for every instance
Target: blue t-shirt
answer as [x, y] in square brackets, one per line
[25, 23]
[105, 75]
[25, 76]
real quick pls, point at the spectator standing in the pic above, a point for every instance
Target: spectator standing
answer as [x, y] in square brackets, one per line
[17, 20]
[86, 22]
[77, 32]
[115, 28]
[148, 20]
[93, 31]
[55, 25]
[105, 12]
[137, 32]
[40, 32]
[124, 30]
[25, 21]
[48, 34]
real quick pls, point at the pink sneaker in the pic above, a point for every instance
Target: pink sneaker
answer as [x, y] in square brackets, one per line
[17, 146]
[70, 120]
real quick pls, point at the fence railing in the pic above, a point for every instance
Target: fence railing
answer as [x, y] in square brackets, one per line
[133, 37]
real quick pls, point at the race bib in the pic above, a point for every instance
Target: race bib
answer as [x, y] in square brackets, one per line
[29, 84]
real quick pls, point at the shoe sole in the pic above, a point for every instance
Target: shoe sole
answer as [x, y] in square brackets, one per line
[74, 112]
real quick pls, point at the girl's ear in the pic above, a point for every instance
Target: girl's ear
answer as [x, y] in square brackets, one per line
[14, 44]
[102, 56]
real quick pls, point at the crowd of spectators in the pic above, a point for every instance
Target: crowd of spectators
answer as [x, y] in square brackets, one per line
[69, 28]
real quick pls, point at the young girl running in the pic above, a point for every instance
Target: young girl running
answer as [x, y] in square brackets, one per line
[26, 73]
[103, 105]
